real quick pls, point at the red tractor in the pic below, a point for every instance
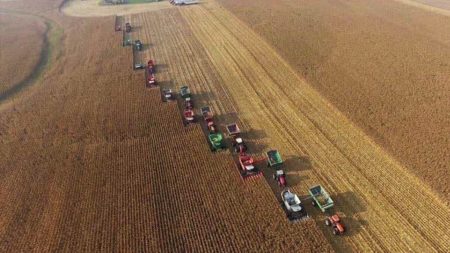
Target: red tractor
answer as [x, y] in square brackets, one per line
[280, 177]
[335, 222]
[237, 141]
[208, 118]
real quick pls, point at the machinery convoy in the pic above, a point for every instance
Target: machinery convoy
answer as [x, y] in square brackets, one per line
[291, 203]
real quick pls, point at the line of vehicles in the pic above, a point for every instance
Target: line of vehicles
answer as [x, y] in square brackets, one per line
[246, 164]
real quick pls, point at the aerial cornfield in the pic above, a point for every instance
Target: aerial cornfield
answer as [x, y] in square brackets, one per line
[93, 160]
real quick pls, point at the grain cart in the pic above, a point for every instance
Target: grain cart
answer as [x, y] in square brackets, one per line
[320, 197]
[247, 168]
[293, 206]
[238, 143]
[208, 118]
[127, 27]
[274, 158]
[185, 92]
[216, 141]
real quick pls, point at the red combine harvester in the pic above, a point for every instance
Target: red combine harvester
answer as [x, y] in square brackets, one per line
[208, 118]
[335, 222]
[247, 169]
[189, 116]
[151, 80]
[238, 143]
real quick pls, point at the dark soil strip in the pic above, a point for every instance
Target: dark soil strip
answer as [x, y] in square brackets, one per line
[42, 64]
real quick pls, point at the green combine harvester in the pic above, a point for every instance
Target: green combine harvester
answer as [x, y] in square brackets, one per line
[216, 141]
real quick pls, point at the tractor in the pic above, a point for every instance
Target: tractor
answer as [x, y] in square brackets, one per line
[127, 27]
[188, 103]
[280, 177]
[335, 222]
[238, 143]
[138, 45]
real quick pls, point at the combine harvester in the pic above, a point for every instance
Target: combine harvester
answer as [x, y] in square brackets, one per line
[137, 60]
[208, 118]
[167, 95]
[247, 168]
[216, 141]
[293, 206]
[150, 75]
[238, 143]
[188, 116]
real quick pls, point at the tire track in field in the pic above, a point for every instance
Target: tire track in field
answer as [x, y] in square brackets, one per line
[176, 49]
[330, 139]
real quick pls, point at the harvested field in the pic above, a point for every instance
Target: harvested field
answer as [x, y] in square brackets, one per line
[21, 44]
[93, 161]
[383, 64]
[320, 144]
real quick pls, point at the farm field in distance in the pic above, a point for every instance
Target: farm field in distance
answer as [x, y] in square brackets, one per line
[92, 160]
[21, 43]
[383, 64]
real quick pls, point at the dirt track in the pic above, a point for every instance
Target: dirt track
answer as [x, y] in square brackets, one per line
[91, 8]
[284, 112]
